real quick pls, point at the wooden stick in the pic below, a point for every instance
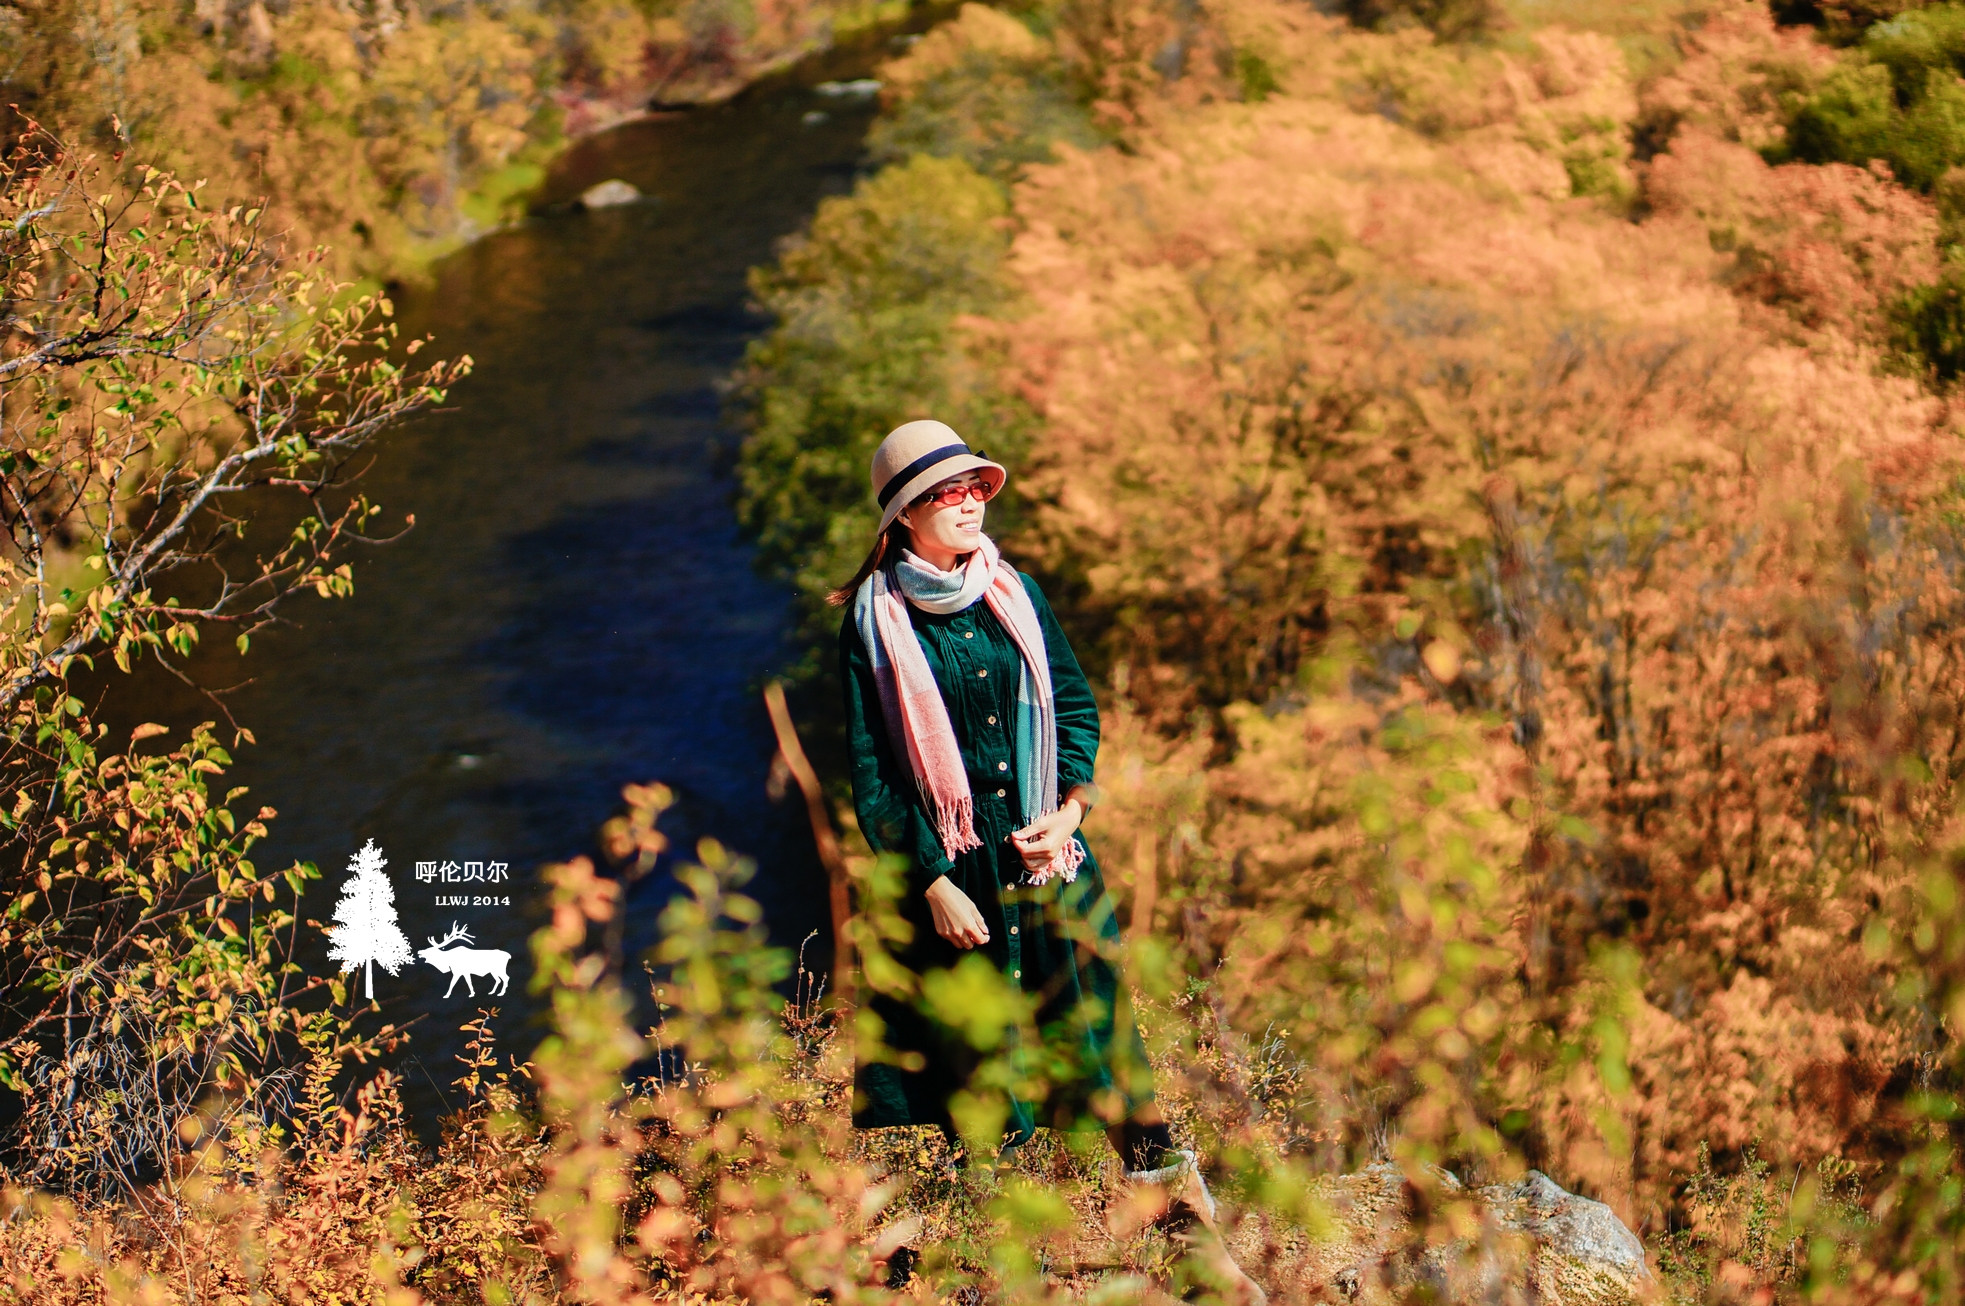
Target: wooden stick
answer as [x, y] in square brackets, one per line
[838, 882]
[1146, 881]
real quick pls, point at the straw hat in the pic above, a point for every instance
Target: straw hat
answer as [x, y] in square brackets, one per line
[917, 455]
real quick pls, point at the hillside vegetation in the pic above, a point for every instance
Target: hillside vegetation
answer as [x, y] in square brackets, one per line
[1504, 461]
[1501, 462]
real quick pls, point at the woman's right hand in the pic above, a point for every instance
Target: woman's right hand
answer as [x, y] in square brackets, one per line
[956, 916]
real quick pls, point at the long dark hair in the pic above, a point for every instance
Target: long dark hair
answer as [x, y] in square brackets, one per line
[840, 597]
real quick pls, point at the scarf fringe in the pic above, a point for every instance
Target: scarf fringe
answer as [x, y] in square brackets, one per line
[955, 825]
[1064, 864]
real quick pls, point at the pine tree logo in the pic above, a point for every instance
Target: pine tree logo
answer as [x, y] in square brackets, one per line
[365, 932]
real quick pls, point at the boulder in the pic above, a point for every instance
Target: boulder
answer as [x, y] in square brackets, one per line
[606, 194]
[1583, 1252]
[1536, 1244]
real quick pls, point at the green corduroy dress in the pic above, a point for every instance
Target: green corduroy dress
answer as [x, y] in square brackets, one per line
[1058, 942]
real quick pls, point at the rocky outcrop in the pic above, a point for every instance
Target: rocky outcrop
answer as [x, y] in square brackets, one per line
[1536, 1243]
[1583, 1252]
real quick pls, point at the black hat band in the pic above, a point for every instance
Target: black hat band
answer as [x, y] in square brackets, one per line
[918, 466]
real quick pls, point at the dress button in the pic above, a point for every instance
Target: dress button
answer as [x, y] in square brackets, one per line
[1013, 929]
[1002, 766]
[1016, 974]
[992, 721]
[982, 673]
[968, 634]
[999, 793]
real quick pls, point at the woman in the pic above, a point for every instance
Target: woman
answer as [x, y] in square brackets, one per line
[972, 732]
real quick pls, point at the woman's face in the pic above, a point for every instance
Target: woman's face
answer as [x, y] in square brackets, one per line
[955, 528]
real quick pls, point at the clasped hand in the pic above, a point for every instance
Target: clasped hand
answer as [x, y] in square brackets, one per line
[957, 918]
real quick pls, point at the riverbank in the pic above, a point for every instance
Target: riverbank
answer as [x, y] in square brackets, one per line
[673, 80]
[384, 138]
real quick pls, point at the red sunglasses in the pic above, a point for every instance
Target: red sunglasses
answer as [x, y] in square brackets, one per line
[950, 495]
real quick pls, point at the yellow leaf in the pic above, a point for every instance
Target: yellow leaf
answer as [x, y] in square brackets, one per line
[1443, 660]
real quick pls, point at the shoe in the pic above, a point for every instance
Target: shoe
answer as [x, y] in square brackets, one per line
[1175, 1197]
[894, 1252]
[900, 1267]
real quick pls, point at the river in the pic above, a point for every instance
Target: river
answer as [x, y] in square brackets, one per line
[574, 608]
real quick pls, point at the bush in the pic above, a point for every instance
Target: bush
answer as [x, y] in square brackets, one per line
[161, 365]
[1898, 98]
[982, 89]
[1453, 20]
[1931, 326]
[710, 1156]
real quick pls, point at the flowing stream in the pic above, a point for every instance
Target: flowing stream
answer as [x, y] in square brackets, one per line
[574, 608]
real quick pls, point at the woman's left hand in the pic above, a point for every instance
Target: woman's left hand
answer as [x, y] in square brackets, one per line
[1039, 841]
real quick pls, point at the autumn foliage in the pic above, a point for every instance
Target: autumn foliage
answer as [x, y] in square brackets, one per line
[1503, 465]
[1497, 481]
[1648, 496]
[389, 133]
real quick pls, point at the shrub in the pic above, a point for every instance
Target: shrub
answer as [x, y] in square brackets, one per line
[161, 365]
[1897, 97]
[1453, 20]
[1931, 327]
[982, 89]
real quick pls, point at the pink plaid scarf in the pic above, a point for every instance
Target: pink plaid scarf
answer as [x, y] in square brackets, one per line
[911, 702]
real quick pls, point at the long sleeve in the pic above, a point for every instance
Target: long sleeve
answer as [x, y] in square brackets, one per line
[1077, 709]
[891, 814]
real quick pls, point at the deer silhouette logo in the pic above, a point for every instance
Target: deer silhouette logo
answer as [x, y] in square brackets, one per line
[463, 963]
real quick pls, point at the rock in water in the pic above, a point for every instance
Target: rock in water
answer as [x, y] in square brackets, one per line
[606, 194]
[858, 89]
